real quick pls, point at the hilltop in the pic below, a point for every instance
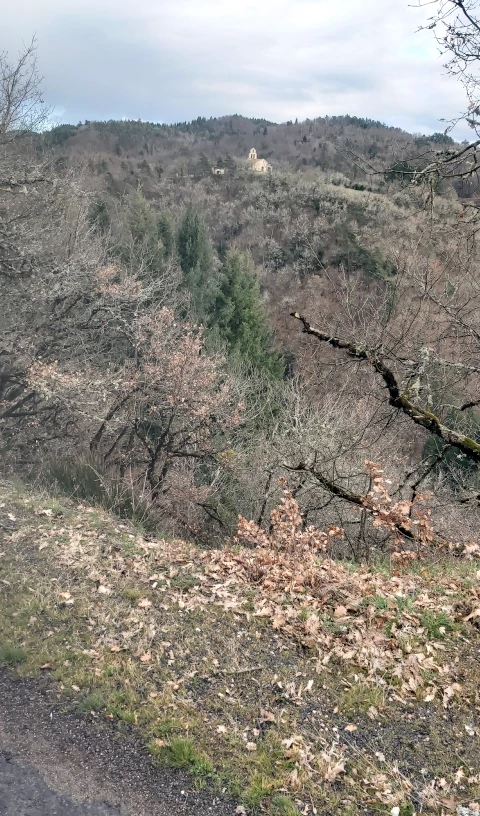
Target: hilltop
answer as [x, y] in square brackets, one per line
[325, 143]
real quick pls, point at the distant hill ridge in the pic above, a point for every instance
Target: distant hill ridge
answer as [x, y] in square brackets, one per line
[323, 142]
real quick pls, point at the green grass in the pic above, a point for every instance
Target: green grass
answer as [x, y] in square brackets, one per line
[164, 728]
[437, 625]
[181, 753]
[359, 698]
[132, 595]
[258, 791]
[378, 601]
[283, 806]
[12, 655]
[407, 809]
[183, 581]
[405, 604]
[92, 702]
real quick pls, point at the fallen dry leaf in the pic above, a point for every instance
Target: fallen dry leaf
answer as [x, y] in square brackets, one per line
[459, 776]
[251, 746]
[351, 727]
[340, 612]
[144, 603]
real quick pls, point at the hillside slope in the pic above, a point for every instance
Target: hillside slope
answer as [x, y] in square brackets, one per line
[353, 690]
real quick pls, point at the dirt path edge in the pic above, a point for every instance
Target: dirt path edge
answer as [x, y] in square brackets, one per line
[89, 764]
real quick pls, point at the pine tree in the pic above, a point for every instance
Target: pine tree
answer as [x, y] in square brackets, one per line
[166, 232]
[239, 318]
[140, 218]
[195, 254]
[140, 243]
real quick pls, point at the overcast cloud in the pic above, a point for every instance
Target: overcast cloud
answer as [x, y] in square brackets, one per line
[171, 60]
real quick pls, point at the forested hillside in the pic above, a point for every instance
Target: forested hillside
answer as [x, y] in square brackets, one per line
[323, 143]
[240, 434]
[174, 269]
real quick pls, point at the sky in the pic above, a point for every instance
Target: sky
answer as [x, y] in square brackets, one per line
[174, 60]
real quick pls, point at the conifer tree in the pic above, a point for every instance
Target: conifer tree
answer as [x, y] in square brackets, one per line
[239, 317]
[141, 218]
[195, 254]
[139, 243]
[166, 232]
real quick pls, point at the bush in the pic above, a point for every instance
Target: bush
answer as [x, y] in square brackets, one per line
[89, 481]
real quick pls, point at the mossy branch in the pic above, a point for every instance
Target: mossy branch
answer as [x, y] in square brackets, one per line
[398, 399]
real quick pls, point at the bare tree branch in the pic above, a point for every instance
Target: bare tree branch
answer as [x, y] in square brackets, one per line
[398, 399]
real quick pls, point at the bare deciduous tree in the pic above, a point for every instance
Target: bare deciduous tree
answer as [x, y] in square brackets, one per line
[22, 107]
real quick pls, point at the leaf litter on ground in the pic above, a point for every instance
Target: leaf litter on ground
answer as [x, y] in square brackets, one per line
[364, 623]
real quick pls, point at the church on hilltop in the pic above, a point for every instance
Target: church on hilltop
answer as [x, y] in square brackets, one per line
[259, 165]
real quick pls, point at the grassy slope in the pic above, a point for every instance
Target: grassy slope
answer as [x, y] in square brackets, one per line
[251, 690]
